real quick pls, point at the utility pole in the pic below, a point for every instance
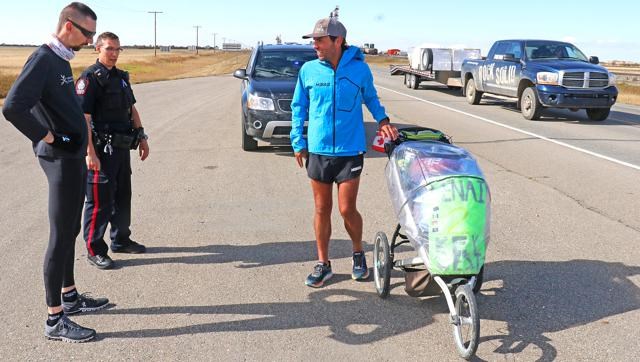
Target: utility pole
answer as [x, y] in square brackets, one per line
[197, 28]
[154, 29]
[214, 42]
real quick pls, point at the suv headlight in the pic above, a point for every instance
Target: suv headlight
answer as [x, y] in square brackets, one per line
[260, 103]
[612, 79]
[547, 78]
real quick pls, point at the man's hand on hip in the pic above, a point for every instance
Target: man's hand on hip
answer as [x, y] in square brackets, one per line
[70, 142]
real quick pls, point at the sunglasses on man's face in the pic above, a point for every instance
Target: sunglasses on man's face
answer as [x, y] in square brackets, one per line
[85, 32]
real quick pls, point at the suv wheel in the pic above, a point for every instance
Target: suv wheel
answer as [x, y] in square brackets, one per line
[248, 143]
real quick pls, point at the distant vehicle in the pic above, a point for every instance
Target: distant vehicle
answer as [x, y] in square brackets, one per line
[267, 88]
[393, 52]
[441, 65]
[369, 48]
[541, 74]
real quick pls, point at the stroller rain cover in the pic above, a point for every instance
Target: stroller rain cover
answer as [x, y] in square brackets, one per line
[442, 202]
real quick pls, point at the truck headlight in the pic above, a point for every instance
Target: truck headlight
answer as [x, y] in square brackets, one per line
[260, 103]
[547, 78]
[612, 79]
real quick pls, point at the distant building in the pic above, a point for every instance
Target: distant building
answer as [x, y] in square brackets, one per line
[231, 46]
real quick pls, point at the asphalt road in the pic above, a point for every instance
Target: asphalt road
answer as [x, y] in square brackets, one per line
[230, 241]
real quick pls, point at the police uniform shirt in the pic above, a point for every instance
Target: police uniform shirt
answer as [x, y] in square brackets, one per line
[107, 96]
[42, 99]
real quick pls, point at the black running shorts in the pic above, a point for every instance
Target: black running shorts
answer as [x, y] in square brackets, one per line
[330, 169]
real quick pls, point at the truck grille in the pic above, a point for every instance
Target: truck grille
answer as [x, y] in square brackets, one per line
[585, 80]
[284, 105]
[598, 80]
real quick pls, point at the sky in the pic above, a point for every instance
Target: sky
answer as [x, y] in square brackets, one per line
[608, 30]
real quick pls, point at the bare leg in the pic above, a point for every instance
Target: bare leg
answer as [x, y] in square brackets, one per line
[347, 196]
[322, 217]
[54, 310]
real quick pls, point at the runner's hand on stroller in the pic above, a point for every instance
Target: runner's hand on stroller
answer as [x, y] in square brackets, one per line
[301, 156]
[387, 129]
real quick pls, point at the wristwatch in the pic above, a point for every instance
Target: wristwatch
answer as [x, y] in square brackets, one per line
[141, 134]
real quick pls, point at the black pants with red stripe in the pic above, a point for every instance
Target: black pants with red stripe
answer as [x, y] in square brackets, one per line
[108, 201]
[66, 178]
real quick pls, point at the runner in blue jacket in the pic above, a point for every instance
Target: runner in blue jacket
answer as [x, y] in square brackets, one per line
[329, 96]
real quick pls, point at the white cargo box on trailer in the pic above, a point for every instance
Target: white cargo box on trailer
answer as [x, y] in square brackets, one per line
[461, 54]
[446, 59]
[434, 63]
[440, 58]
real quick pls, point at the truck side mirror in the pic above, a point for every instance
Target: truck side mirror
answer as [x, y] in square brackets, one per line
[594, 60]
[509, 57]
[240, 73]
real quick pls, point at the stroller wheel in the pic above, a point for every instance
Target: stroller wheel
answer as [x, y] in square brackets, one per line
[466, 330]
[382, 264]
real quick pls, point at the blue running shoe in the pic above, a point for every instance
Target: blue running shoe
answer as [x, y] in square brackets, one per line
[360, 270]
[321, 273]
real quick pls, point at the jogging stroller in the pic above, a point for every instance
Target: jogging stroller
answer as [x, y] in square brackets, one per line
[442, 204]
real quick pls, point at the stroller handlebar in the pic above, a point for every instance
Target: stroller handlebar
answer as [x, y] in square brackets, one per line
[416, 134]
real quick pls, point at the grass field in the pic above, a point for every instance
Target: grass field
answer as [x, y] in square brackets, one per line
[144, 67]
[140, 63]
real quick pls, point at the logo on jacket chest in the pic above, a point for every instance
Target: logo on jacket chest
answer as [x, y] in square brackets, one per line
[323, 84]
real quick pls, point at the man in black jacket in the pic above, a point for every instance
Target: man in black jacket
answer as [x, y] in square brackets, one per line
[42, 104]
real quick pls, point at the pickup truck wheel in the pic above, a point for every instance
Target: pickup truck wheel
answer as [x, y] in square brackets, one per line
[598, 114]
[473, 95]
[248, 143]
[530, 105]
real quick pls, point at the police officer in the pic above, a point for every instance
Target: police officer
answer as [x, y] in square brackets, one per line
[42, 105]
[114, 129]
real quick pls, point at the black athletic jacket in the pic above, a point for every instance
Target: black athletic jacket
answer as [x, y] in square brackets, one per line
[44, 98]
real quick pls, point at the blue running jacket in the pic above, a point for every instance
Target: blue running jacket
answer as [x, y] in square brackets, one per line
[332, 103]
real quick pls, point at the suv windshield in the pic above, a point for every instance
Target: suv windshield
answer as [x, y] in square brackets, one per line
[281, 64]
[549, 50]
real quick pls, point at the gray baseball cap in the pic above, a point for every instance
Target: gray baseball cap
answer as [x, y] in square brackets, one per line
[327, 26]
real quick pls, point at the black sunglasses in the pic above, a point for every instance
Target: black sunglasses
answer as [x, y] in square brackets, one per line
[85, 32]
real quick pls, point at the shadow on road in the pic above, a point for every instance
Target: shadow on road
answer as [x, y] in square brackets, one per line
[345, 312]
[532, 298]
[250, 256]
[616, 118]
[545, 297]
